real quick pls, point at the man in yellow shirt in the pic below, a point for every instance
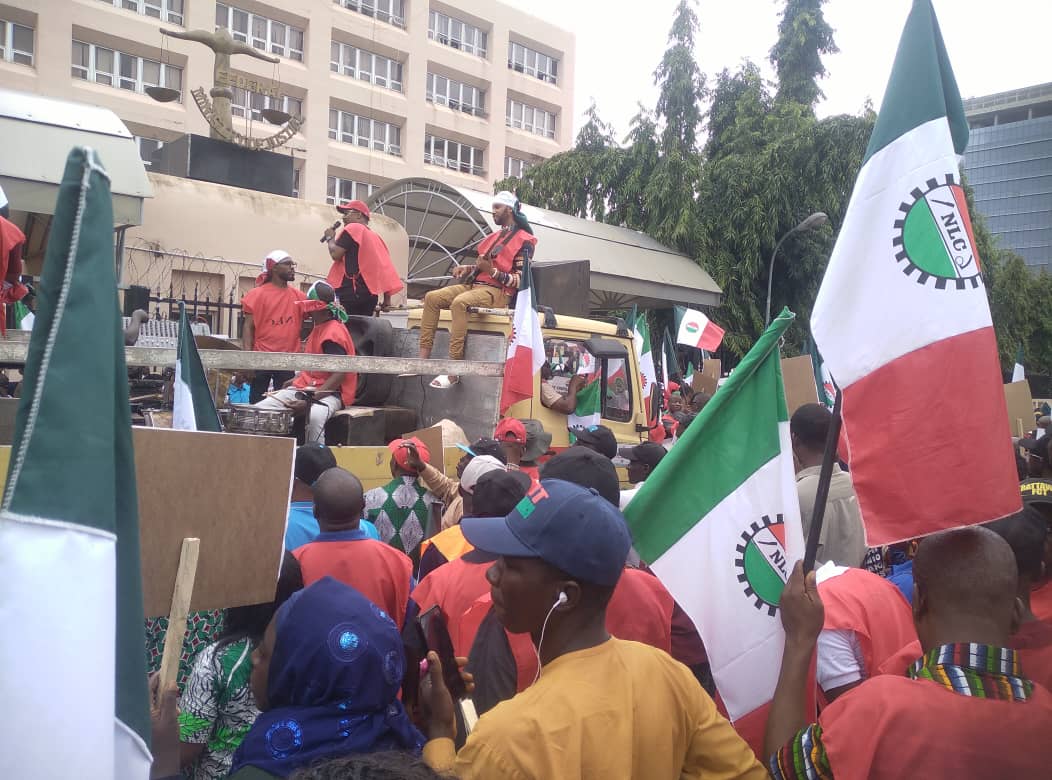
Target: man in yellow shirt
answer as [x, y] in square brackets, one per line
[602, 707]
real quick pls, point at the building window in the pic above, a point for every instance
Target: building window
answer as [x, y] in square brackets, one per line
[147, 146]
[533, 63]
[370, 133]
[125, 71]
[168, 10]
[456, 34]
[533, 120]
[361, 64]
[295, 182]
[514, 166]
[340, 190]
[251, 104]
[453, 155]
[16, 43]
[264, 34]
[459, 97]
[390, 11]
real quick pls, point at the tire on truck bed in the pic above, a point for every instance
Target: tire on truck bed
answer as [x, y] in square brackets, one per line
[374, 337]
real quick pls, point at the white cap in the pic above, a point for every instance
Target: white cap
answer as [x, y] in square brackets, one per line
[505, 198]
[479, 465]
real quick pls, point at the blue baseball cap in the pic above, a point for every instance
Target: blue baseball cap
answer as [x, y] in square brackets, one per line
[570, 527]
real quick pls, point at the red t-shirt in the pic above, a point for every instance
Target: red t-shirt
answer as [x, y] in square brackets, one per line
[376, 570]
[336, 332]
[276, 316]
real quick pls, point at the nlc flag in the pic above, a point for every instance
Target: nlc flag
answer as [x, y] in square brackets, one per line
[698, 331]
[72, 667]
[719, 522]
[902, 318]
[525, 348]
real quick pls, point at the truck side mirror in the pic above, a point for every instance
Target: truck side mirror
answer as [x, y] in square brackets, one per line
[606, 349]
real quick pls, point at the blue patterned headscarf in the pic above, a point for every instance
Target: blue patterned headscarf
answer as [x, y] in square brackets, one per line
[334, 677]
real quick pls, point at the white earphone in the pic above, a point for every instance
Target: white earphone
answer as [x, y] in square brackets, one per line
[563, 598]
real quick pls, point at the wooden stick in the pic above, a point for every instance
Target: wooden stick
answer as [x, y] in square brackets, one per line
[1019, 427]
[184, 587]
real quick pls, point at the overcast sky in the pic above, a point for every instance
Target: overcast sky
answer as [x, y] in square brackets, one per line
[994, 46]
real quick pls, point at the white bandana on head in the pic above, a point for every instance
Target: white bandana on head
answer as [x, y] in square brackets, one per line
[505, 198]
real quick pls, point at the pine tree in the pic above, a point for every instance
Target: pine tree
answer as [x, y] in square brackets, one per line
[803, 37]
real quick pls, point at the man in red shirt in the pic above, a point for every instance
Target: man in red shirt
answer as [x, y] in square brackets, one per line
[272, 318]
[316, 395]
[345, 552]
[361, 269]
[489, 283]
[966, 708]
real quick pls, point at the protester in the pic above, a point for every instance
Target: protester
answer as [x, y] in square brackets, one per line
[598, 438]
[491, 282]
[551, 398]
[511, 434]
[362, 270]
[312, 460]
[1026, 534]
[965, 695]
[449, 544]
[400, 508]
[445, 489]
[538, 443]
[317, 395]
[843, 539]
[12, 248]
[272, 318]
[684, 421]
[642, 459]
[698, 401]
[216, 709]
[455, 586]
[239, 390]
[1039, 464]
[867, 621]
[344, 551]
[602, 707]
[326, 678]
[1038, 494]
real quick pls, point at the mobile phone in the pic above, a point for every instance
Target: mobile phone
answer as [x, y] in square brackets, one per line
[438, 641]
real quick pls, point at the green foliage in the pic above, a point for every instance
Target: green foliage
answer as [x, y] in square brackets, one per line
[803, 37]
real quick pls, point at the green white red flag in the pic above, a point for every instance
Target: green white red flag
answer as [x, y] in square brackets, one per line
[719, 523]
[588, 411]
[72, 646]
[902, 318]
[698, 331]
[645, 358]
[525, 348]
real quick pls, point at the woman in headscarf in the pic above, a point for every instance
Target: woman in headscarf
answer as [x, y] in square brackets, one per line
[326, 678]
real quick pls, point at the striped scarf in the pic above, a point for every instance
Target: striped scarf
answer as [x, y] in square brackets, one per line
[976, 670]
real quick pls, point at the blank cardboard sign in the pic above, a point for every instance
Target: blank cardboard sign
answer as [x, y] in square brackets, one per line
[798, 376]
[1020, 406]
[432, 439]
[707, 380]
[228, 490]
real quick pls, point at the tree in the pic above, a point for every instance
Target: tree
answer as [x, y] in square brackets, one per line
[803, 37]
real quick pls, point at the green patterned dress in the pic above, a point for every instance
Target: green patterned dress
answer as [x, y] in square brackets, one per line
[201, 629]
[217, 708]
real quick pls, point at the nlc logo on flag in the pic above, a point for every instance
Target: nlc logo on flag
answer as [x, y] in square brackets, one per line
[935, 236]
[762, 564]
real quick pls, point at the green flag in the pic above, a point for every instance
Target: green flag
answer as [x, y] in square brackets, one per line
[69, 525]
[588, 409]
[193, 408]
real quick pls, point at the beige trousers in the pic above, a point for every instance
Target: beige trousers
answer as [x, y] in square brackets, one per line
[456, 298]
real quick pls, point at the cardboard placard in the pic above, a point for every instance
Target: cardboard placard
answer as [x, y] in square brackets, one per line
[707, 380]
[432, 437]
[798, 376]
[230, 491]
[1020, 406]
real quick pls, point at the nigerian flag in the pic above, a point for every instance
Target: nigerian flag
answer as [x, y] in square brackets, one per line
[719, 522]
[71, 605]
[193, 408]
[588, 410]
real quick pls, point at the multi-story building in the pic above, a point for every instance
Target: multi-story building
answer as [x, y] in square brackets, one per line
[1009, 164]
[466, 91]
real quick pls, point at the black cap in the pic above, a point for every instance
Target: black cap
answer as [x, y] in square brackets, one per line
[1037, 447]
[599, 438]
[648, 453]
[312, 460]
[497, 492]
[489, 446]
[1036, 491]
[587, 468]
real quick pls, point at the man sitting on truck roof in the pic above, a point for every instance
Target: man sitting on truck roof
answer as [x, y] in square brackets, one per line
[490, 283]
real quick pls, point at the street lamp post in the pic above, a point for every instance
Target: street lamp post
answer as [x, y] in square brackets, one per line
[817, 219]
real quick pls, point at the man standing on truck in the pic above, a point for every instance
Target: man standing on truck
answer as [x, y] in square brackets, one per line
[272, 318]
[361, 270]
[490, 283]
[317, 395]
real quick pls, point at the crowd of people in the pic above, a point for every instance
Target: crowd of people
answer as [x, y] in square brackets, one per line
[579, 662]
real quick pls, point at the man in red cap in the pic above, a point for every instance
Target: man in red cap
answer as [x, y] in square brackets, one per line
[399, 509]
[491, 282]
[361, 270]
[272, 318]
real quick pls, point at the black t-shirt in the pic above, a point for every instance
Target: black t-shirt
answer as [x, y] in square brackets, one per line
[350, 257]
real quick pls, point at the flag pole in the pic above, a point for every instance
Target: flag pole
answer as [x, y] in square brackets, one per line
[822, 493]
